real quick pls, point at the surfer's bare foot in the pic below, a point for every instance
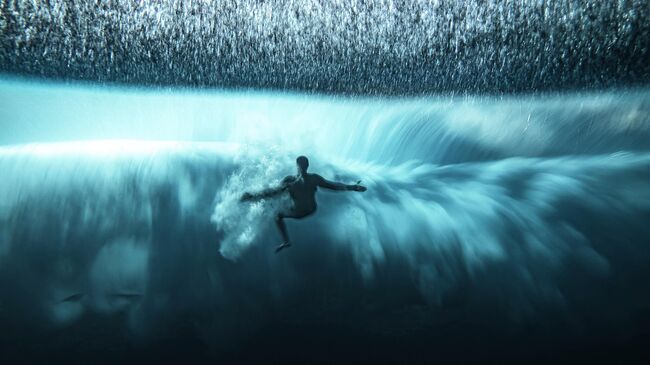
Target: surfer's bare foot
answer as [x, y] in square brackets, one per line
[282, 246]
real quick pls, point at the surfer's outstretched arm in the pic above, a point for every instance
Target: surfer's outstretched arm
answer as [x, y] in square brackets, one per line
[267, 193]
[324, 183]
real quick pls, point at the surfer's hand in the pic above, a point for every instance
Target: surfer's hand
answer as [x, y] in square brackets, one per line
[246, 197]
[359, 188]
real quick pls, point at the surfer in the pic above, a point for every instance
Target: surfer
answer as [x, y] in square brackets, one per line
[302, 190]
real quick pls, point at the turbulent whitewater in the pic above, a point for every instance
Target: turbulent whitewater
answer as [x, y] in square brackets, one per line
[518, 218]
[382, 47]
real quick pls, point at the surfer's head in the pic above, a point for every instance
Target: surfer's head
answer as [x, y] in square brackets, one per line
[303, 163]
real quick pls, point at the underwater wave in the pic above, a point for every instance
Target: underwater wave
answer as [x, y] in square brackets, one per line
[520, 220]
[154, 231]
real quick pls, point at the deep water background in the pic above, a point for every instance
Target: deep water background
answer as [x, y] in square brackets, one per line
[493, 229]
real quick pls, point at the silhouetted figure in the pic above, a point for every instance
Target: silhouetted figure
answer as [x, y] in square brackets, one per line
[302, 189]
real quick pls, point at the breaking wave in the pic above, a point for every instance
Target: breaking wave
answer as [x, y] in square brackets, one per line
[512, 219]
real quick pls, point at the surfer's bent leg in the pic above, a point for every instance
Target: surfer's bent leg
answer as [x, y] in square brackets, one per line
[279, 221]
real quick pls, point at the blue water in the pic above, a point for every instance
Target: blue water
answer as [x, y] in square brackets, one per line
[488, 222]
